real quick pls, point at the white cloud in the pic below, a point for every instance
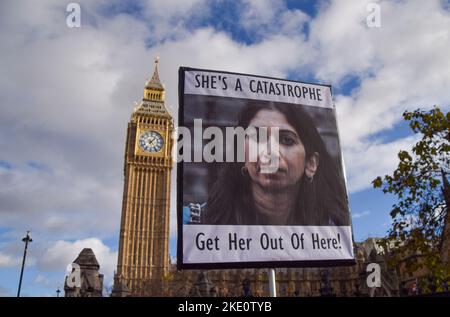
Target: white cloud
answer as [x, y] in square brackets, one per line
[257, 13]
[341, 40]
[359, 215]
[53, 204]
[81, 84]
[64, 120]
[293, 21]
[42, 279]
[7, 260]
[373, 159]
[262, 18]
[5, 292]
[170, 18]
[396, 73]
[273, 56]
[173, 9]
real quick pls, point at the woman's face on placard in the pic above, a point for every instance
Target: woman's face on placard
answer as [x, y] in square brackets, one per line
[290, 153]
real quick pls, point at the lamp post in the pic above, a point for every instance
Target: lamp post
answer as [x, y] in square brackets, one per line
[27, 239]
[57, 292]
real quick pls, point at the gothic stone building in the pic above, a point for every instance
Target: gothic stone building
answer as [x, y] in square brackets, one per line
[306, 282]
[89, 283]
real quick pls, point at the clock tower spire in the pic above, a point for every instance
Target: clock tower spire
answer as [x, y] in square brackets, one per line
[153, 89]
[143, 260]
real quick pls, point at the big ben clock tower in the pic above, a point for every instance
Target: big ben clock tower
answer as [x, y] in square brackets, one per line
[143, 259]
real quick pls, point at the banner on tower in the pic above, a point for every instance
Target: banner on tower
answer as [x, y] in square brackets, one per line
[260, 174]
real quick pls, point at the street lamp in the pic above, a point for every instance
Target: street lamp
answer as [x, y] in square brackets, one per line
[57, 292]
[27, 239]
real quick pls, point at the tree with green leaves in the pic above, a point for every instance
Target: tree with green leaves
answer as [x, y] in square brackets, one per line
[421, 185]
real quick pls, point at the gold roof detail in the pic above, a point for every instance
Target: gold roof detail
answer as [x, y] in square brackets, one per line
[154, 82]
[152, 103]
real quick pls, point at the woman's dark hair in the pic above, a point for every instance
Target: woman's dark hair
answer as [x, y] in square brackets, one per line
[320, 202]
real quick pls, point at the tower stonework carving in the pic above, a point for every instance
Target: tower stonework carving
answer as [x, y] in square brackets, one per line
[143, 261]
[90, 280]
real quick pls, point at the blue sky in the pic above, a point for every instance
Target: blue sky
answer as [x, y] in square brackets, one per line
[66, 96]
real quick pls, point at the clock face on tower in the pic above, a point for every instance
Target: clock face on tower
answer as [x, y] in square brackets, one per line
[151, 141]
